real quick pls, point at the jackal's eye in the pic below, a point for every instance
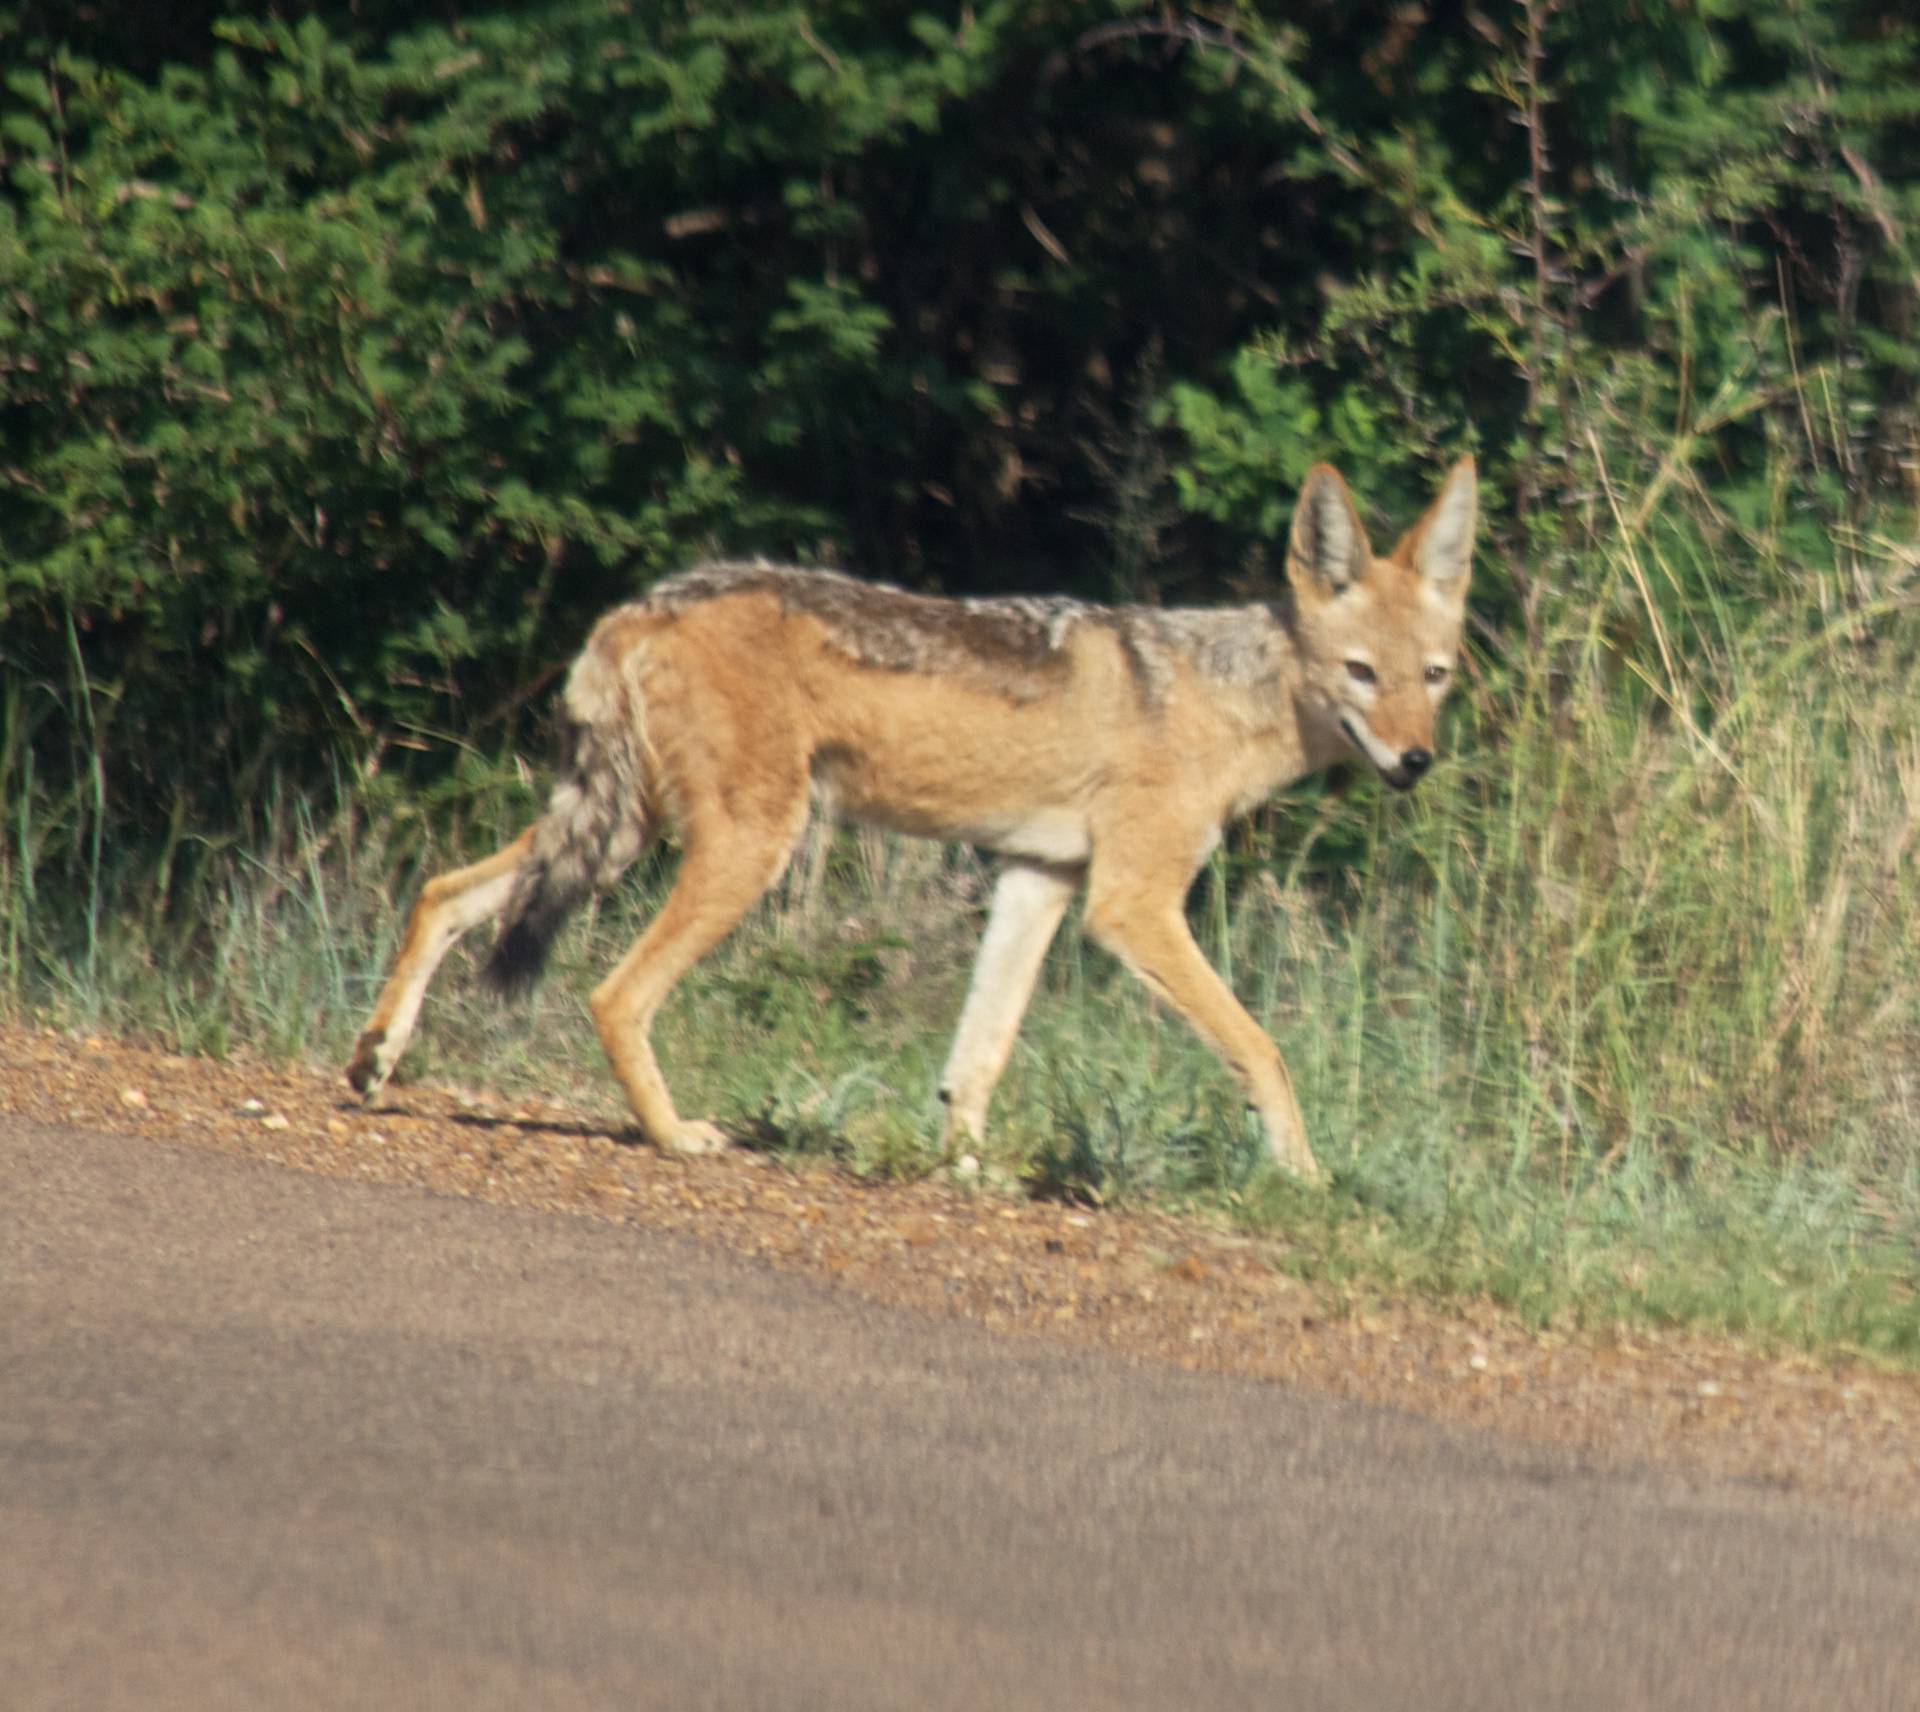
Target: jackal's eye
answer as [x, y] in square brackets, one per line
[1438, 674]
[1360, 671]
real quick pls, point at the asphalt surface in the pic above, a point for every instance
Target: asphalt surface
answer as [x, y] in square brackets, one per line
[270, 1440]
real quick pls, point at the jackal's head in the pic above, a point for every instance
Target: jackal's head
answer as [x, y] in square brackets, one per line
[1378, 636]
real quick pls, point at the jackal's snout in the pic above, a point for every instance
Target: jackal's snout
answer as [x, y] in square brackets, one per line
[1406, 771]
[1413, 764]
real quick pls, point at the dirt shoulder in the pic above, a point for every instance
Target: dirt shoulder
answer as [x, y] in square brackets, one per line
[1148, 1285]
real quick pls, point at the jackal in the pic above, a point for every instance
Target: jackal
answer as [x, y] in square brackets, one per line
[1083, 744]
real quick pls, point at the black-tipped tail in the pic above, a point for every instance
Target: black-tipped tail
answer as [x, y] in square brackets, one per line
[519, 955]
[595, 824]
[556, 882]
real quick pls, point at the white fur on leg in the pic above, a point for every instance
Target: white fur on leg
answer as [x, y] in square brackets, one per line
[1028, 902]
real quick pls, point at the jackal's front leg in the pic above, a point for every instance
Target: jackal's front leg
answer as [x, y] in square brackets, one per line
[1146, 930]
[1028, 902]
[449, 905]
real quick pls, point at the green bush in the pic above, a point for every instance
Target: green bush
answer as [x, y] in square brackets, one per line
[352, 360]
[350, 363]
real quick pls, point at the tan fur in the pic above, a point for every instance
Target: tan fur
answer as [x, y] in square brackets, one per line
[1104, 746]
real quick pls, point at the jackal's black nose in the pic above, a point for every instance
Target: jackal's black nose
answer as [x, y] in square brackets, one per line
[1414, 762]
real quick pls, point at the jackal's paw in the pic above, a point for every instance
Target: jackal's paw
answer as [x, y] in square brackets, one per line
[1300, 1164]
[370, 1065]
[695, 1135]
[962, 1132]
[1292, 1154]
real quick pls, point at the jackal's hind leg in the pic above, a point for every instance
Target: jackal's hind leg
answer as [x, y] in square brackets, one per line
[449, 905]
[727, 864]
[1147, 931]
[1028, 902]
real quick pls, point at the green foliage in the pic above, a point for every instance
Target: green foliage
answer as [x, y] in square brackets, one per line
[841, 976]
[1247, 455]
[352, 357]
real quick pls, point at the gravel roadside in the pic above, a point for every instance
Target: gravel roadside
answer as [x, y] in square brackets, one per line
[1149, 1285]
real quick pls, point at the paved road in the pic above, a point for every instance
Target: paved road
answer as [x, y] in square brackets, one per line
[273, 1441]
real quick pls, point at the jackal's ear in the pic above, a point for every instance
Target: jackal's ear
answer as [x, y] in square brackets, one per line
[1327, 551]
[1440, 545]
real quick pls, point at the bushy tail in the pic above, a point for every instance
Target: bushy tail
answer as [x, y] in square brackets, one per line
[596, 823]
